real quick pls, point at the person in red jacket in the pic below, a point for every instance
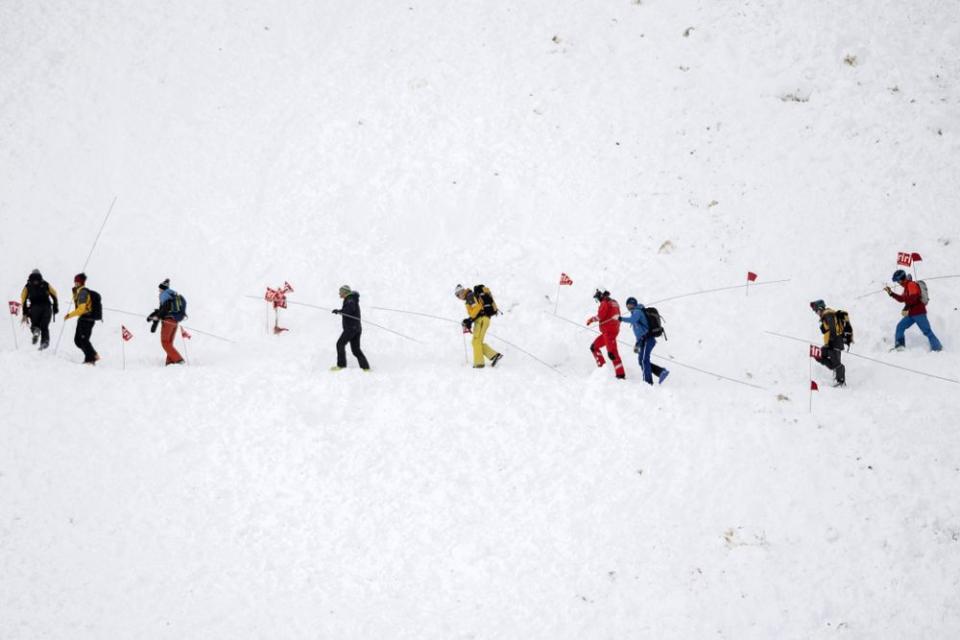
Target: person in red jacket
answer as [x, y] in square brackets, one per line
[914, 311]
[608, 315]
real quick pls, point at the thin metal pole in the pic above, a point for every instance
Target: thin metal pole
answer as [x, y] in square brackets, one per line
[706, 291]
[857, 355]
[557, 302]
[810, 380]
[13, 328]
[85, 264]
[347, 315]
[191, 329]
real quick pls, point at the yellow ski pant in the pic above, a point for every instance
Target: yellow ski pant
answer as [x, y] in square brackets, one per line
[480, 326]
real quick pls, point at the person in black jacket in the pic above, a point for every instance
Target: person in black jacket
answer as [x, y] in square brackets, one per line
[36, 297]
[350, 314]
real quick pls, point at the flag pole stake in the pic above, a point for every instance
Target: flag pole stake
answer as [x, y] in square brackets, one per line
[13, 328]
[556, 304]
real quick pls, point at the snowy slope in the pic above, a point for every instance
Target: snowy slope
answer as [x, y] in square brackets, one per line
[403, 148]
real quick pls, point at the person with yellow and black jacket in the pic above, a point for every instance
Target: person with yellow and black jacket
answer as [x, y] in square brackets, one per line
[36, 297]
[480, 308]
[86, 309]
[833, 328]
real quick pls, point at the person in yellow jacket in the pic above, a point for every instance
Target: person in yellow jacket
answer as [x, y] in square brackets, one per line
[86, 309]
[477, 321]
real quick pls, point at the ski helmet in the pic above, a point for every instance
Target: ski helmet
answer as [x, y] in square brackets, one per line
[899, 275]
[818, 306]
[631, 302]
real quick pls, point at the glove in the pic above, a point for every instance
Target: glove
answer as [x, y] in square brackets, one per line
[336, 312]
[636, 348]
[590, 321]
[153, 328]
[56, 309]
[904, 313]
[887, 289]
[467, 323]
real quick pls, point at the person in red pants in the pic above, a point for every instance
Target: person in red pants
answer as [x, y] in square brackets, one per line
[608, 315]
[172, 311]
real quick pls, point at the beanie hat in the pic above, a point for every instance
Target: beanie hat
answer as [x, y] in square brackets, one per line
[35, 272]
[818, 305]
[460, 292]
[80, 278]
[165, 284]
[345, 290]
[631, 301]
[899, 275]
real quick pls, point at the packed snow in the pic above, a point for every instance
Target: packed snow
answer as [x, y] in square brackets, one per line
[654, 148]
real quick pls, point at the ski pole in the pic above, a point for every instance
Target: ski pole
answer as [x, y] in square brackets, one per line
[857, 355]
[347, 315]
[466, 358]
[415, 313]
[528, 354]
[706, 291]
[191, 329]
[85, 264]
[671, 360]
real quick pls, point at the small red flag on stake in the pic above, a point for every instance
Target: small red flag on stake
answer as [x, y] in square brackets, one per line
[916, 257]
[183, 332]
[125, 334]
[904, 259]
[751, 276]
[813, 386]
[14, 307]
[815, 352]
[287, 287]
[565, 279]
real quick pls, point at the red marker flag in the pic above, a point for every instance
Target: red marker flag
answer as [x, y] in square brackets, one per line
[278, 298]
[904, 259]
[14, 307]
[813, 386]
[183, 332]
[814, 352]
[287, 288]
[565, 279]
[125, 334]
[916, 257]
[751, 276]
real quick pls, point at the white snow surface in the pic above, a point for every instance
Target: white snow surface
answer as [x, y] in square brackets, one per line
[403, 147]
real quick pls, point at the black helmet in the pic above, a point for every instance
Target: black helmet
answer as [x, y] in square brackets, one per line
[631, 301]
[818, 305]
[899, 275]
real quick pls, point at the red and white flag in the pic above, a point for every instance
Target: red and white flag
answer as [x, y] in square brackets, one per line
[814, 352]
[751, 276]
[125, 334]
[565, 279]
[916, 257]
[14, 307]
[277, 297]
[813, 386]
[183, 332]
[287, 288]
[905, 259]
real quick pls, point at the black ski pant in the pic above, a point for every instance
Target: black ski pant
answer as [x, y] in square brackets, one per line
[830, 358]
[352, 337]
[40, 323]
[82, 339]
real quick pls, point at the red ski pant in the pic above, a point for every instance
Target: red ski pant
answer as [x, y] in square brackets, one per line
[608, 339]
[168, 331]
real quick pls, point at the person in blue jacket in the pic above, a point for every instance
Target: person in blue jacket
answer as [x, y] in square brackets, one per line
[645, 342]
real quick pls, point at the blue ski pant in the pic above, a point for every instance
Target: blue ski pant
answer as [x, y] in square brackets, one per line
[924, 324]
[644, 349]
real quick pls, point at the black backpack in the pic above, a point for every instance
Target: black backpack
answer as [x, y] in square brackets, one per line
[844, 328]
[38, 292]
[486, 299]
[96, 307]
[654, 322]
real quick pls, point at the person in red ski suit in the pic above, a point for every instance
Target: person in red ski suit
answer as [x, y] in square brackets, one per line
[608, 315]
